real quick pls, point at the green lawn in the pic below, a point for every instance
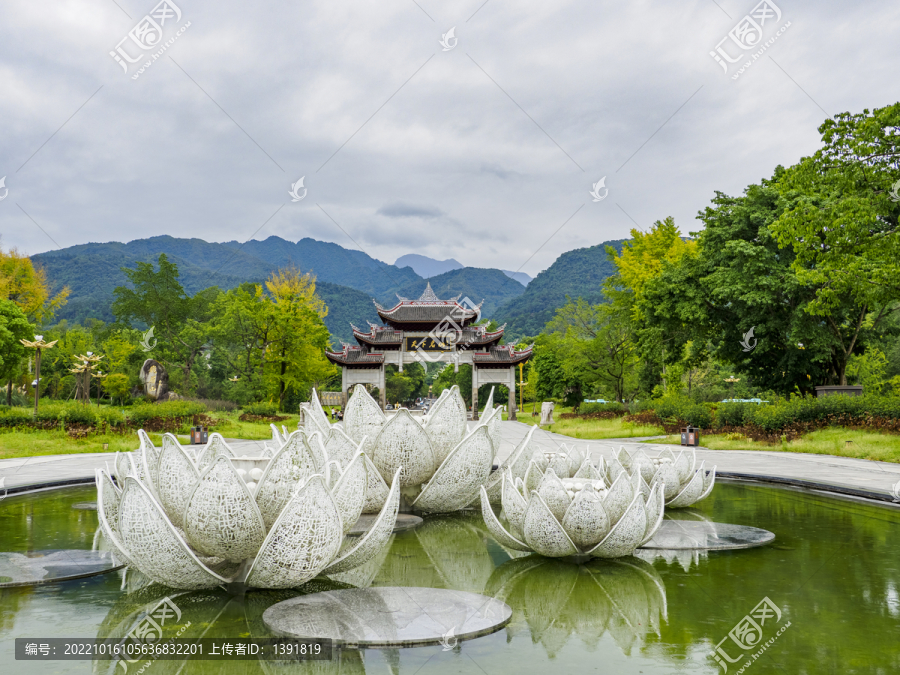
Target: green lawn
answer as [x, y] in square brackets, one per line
[25, 443]
[590, 429]
[833, 441]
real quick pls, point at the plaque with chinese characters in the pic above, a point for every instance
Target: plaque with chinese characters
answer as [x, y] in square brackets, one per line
[426, 344]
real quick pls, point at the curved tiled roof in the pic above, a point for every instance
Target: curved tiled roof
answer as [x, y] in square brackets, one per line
[502, 356]
[359, 357]
[428, 310]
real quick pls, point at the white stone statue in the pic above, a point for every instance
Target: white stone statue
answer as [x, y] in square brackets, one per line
[547, 412]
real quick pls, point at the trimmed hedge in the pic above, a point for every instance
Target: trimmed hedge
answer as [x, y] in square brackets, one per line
[52, 415]
[263, 409]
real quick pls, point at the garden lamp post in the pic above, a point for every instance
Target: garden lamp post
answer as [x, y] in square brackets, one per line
[732, 380]
[38, 344]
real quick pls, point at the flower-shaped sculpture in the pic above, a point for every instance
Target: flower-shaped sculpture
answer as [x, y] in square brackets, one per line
[686, 483]
[575, 516]
[443, 463]
[263, 522]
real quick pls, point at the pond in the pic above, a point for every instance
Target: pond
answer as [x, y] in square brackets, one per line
[833, 575]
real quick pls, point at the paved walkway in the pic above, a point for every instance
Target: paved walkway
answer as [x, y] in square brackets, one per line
[857, 477]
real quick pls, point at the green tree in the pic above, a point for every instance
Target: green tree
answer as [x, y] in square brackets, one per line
[14, 327]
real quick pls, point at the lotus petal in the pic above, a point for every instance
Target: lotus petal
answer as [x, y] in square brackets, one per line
[446, 424]
[178, 477]
[554, 494]
[667, 453]
[356, 552]
[543, 532]
[147, 457]
[124, 465]
[315, 443]
[376, 489]
[403, 442]
[108, 502]
[493, 422]
[514, 504]
[640, 485]
[520, 488]
[154, 545]
[576, 459]
[709, 482]
[303, 540]
[221, 518]
[691, 493]
[619, 497]
[455, 484]
[150, 453]
[277, 438]
[623, 457]
[332, 473]
[668, 474]
[517, 462]
[684, 465]
[585, 521]
[655, 509]
[318, 413]
[559, 464]
[540, 458]
[215, 447]
[497, 530]
[288, 470]
[613, 468]
[340, 447]
[626, 534]
[350, 491]
[489, 404]
[588, 471]
[363, 418]
[532, 477]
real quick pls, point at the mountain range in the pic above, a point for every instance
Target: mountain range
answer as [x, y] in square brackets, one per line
[427, 267]
[347, 280]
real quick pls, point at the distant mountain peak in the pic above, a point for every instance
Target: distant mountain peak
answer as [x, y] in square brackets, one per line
[427, 267]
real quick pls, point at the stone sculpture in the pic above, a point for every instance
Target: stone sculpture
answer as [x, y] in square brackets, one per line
[155, 380]
[547, 412]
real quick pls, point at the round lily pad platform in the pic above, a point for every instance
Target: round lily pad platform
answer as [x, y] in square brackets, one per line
[41, 567]
[405, 521]
[390, 616]
[680, 535]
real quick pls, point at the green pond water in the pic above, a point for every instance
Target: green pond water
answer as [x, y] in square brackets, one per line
[833, 572]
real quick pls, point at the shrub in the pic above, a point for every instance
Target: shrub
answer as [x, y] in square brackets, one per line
[216, 405]
[590, 408]
[263, 409]
[15, 417]
[140, 415]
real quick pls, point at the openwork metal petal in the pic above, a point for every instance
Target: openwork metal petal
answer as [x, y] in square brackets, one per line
[315, 406]
[497, 530]
[619, 497]
[575, 459]
[455, 484]
[626, 535]
[215, 447]
[316, 445]
[178, 477]
[108, 501]
[376, 489]
[277, 438]
[514, 504]
[363, 418]
[709, 482]
[153, 544]
[613, 469]
[289, 469]
[402, 442]
[543, 532]
[588, 471]
[150, 453]
[559, 464]
[554, 494]
[586, 521]
[124, 466]
[304, 539]
[517, 462]
[493, 423]
[533, 477]
[350, 491]
[446, 424]
[655, 509]
[340, 447]
[375, 538]
[668, 474]
[684, 464]
[221, 518]
[489, 404]
[691, 493]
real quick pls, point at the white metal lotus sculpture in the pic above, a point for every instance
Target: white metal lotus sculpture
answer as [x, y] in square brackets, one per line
[686, 483]
[442, 463]
[198, 522]
[580, 516]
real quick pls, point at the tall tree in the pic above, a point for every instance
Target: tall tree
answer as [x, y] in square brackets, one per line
[26, 285]
[14, 327]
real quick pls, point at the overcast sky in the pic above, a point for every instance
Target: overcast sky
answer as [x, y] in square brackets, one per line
[481, 152]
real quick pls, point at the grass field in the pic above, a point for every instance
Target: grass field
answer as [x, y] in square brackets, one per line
[591, 429]
[834, 441]
[24, 443]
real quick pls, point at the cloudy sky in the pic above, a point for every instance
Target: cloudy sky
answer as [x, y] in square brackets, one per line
[485, 152]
